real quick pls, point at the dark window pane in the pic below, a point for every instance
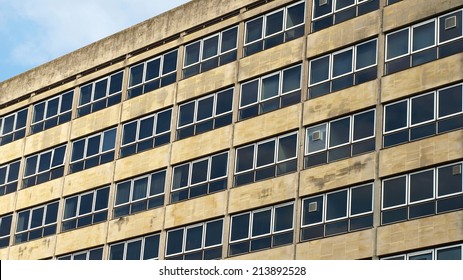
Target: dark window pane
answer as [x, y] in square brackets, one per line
[186, 113]
[397, 44]
[213, 233]
[224, 101]
[21, 119]
[424, 36]
[140, 187]
[86, 204]
[295, 15]
[270, 87]
[174, 241]
[163, 121]
[449, 179]
[283, 218]
[152, 69]
[339, 132]
[180, 177]
[322, 9]
[312, 210]
[136, 75]
[274, 23]
[396, 116]
[366, 55]
[58, 156]
[394, 192]
[291, 79]
[122, 193]
[240, 227]
[342, 63]
[199, 171]
[453, 253]
[130, 133]
[100, 89]
[450, 101]
[424, 256]
[319, 70]
[261, 223]
[364, 125]
[45, 162]
[39, 112]
[192, 53]
[151, 249]
[146, 128]
[210, 47]
[93, 146]
[133, 250]
[229, 39]
[157, 183]
[101, 201]
[245, 158]
[116, 83]
[421, 186]
[446, 34]
[52, 108]
[219, 165]
[109, 140]
[265, 153]
[336, 205]
[361, 200]
[254, 30]
[249, 93]
[116, 252]
[31, 165]
[287, 147]
[194, 237]
[422, 108]
[37, 217]
[205, 108]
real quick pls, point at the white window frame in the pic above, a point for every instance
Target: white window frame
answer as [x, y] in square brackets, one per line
[354, 60]
[2, 122]
[439, 25]
[407, 192]
[7, 173]
[100, 152]
[44, 215]
[333, 8]
[408, 121]
[437, 196]
[434, 109]
[437, 102]
[79, 198]
[147, 195]
[412, 34]
[39, 156]
[142, 246]
[86, 252]
[433, 186]
[92, 95]
[45, 110]
[387, 44]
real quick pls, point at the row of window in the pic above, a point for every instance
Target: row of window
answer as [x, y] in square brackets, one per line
[453, 252]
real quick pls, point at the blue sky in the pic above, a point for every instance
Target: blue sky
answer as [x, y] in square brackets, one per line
[34, 32]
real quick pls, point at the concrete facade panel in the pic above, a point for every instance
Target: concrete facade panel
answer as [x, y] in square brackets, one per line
[279, 253]
[7, 203]
[11, 151]
[88, 179]
[71, 241]
[94, 122]
[33, 250]
[45, 140]
[39, 194]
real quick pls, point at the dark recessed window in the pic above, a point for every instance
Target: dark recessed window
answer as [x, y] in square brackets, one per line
[85, 209]
[13, 126]
[270, 92]
[266, 159]
[261, 229]
[45, 166]
[196, 242]
[140, 194]
[274, 28]
[36, 222]
[329, 12]
[153, 74]
[342, 69]
[211, 52]
[453, 252]
[339, 139]
[205, 114]
[100, 94]
[146, 133]
[92, 254]
[424, 115]
[143, 248]
[9, 174]
[424, 42]
[52, 112]
[5, 228]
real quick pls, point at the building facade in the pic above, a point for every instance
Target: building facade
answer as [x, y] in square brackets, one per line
[309, 129]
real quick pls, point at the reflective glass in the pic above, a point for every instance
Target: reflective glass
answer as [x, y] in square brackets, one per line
[397, 44]
[319, 69]
[422, 186]
[261, 222]
[336, 205]
[424, 36]
[394, 192]
[339, 132]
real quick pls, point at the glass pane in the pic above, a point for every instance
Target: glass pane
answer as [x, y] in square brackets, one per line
[342, 63]
[453, 253]
[52, 107]
[394, 192]
[170, 62]
[210, 47]
[136, 75]
[422, 185]
[13, 172]
[163, 121]
[5, 225]
[31, 165]
[58, 156]
[249, 93]
[265, 153]
[396, 116]
[364, 125]
[245, 158]
[336, 205]
[423, 256]
[340, 4]
[424, 36]
[122, 193]
[312, 210]
[109, 140]
[102, 196]
[319, 70]
[287, 147]
[229, 39]
[140, 187]
[261, 222]
[366, 55]
[133, 250]
[152, 69]
[129, 133]
[254, 30]
[174, 241]
[186, 114]
[199, 171]
[445, 33]
[66, 102]
[450, 100]
[219, 166]
[274, 23]
[70, 208]
[316, 138]
[180, 177]
[284, 217]
[239, 227]
[100, 89]
[214, 233]
[291, 79]
[116, 83]
[295, 15]
[157, 183]
[322, 9]
[205, 108]
[116, 252]
[45, 161]
[93, 146]
[23, 221]
[449, 180]
[192, 53]
[151, 250]
[37, 217]
[361, 200]
[270, 87]
[3, 174]
[339, 132]
[86, 204]
[194, 238]
[224, 101]
[39, 112]
[146, 128]
[422, 108]
[397, 44]
[21, 119]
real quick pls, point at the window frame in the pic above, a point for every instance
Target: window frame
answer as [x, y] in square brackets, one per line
[14, 131]
[7, 236]
[434, 252]
[4, 186]
[87, 253]
[58, 115]
[42, 225]
[142, 246]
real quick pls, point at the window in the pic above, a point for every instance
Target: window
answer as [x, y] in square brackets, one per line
[143, 248]
[390, 2]
[9, 177]
[36, 222]
[146, 133]
[271, 92]
[13, 127]
[339, 139]
[203, 176]
[337, 212]
[100, 94]
[424, 42]
[140, 194]
[274, 28]
[85, 209]
[92, 254]
[342, 69]
[45, 166]
[422, 116]
[153, 74]
[453, 252]
[5, 227]
[329, 12]
[93, 150]
[205, 114]
[423, 193]
[266, 159]
[211, 52]
[52, 112]
[196, 242]
[261, 229]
